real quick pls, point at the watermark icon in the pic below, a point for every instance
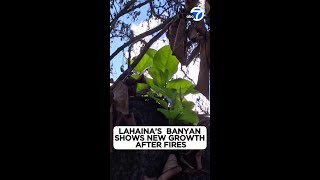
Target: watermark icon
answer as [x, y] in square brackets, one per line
[196, 13]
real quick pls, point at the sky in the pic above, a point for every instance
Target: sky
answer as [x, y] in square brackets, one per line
[139, 27]
[119, 59]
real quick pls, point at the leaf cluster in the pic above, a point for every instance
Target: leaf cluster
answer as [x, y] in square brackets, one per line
[170, 93]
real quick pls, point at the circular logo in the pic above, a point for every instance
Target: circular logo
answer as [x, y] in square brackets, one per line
[198, 13]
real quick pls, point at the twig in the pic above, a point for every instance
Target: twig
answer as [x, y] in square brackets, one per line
[194, 54]
[173, 5]
[186, 75]
[140, 36]
[145, 49]
[125, 10]
[153, 11]
[201, 109]
[129, 51]
[154, 39]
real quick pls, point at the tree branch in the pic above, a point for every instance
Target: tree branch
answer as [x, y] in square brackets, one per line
[186, 75]
[126, 10]
[194, 54]
[139, 57]
[153, 12]
[121, 13]
[140, 36]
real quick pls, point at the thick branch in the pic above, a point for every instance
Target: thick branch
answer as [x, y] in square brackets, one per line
[140, 36]
[139, 57]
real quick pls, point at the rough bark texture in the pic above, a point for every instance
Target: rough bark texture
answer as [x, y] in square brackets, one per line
[134, 165]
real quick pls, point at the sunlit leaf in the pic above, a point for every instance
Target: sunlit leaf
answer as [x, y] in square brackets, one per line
[191, 90]
[177, 104]
[163, 103]
[159, 78]
[152, 85]
[188, 104]
[167, 75]
[146, 61]
[141, 86]
[164, 59]
[171, 115]
[188, 117]
[180, 83]
[170, 94]
[135, 76]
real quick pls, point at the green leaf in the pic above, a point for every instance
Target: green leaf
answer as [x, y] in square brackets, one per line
[191, 90]
[159, 78]
[141, 86]
[163, 103]
[146, 61]
[152, 85]
[170, 94]
[151, 52]
[169, 114]
[180, 83]
[177, 105]
[135, 76]
[166, 75]
[188, 117]
[164, 59]
[188, 104]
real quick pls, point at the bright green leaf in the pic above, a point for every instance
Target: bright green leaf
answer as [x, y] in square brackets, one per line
[163, 103]
[188, 117]
[170, 94]
[152, 85]
[164, 59]
[141, 86]
[169, 114]
[191, 90]
[135, 76]
[151, 52]
[167, 75]
[180, 83]
[177, 104]
[188, 104]
[159, 78]
[146, 61]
